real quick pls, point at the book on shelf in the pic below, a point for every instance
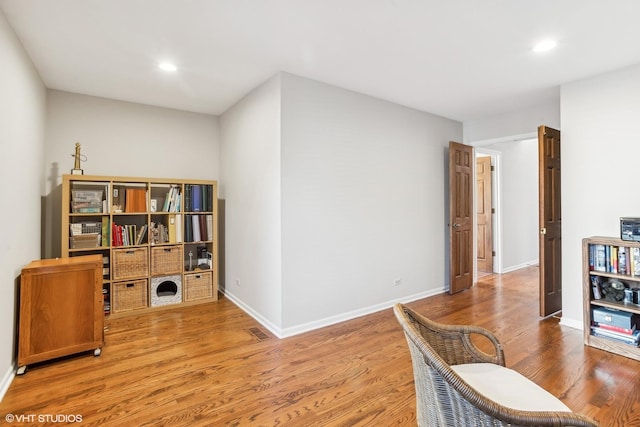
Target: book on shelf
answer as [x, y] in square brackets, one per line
[172, 200]
[196, 198]
[202, 220]
[195, 224]
[178, 228]
[124, 235]
[106, 240]
[596, 282]
[623, 264]
[632, 339]
[187, 198]
[635, 262]
[203, 196]
[623, 260]
[600, 256]
[209, 227]
[172, 229]
[618, 329]
[141, 234]
[188, 229]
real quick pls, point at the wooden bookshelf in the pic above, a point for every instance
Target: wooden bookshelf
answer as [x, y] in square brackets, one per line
[157, 237]
[603, 271]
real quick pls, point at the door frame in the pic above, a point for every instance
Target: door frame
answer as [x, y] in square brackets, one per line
[498, 265]
[496, 159]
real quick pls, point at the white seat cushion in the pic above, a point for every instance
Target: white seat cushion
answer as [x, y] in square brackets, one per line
[508, 387]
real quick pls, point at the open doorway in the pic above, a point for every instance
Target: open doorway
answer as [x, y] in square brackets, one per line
[514, 204]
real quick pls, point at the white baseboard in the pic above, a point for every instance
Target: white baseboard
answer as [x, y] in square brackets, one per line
[519, 266]
[6, 381]
[572, 323]
[251, 312]
[327, 321]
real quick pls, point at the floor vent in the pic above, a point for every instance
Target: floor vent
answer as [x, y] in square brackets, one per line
[258, 334]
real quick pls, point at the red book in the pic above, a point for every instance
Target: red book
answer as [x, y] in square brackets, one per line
[616, 328]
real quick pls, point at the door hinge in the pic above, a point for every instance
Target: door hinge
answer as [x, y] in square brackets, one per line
[493, 168]
[493, 210]
[493, 253]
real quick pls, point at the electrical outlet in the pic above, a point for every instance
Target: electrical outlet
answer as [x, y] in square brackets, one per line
[397, 282]
[237, 282]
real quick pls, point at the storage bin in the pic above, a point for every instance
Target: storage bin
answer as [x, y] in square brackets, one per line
[129, 263]
[85, 241]
[166, 260]
[197, 286]
[130, 295]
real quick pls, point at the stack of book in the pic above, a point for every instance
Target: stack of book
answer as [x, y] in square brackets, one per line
[616, 324]
[627, 336]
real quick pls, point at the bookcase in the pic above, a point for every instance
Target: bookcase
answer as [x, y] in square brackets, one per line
[157, 238]
[611, 286]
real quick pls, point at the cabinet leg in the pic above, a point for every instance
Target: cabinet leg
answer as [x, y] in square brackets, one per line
[21, 370]
[97, 352]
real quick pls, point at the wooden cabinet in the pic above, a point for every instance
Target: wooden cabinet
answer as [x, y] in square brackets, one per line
[61, 309]
[153, 235]
[609, 263]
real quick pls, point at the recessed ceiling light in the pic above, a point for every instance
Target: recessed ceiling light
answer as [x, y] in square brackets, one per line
[167, 66]
[545, 45]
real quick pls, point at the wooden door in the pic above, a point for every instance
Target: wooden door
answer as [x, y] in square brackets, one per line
[550, 221]
[484, 213]
[461, 163]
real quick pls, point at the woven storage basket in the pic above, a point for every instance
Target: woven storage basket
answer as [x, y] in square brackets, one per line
[131, 262]
[197, 286]
[85, 241]
[130, 295]
[166, 260]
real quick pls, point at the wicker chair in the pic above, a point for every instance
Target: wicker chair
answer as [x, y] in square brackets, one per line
[458, 384]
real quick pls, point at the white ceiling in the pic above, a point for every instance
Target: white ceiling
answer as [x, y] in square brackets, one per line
[462, 59]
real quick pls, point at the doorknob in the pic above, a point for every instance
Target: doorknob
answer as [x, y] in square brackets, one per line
[543, 230]
[456, 225]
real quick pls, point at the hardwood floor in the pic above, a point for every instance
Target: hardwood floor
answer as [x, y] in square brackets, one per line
[214, 365]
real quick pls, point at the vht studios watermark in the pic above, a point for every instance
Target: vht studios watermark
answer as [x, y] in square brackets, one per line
[43, 418]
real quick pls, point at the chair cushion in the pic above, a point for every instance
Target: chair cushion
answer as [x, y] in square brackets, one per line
[508, 387]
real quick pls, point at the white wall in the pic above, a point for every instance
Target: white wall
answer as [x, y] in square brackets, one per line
[513, 124]
[600, 151]
[330, 197]
[363, 203]
[123, 139]
[250, 187]
[22, 119]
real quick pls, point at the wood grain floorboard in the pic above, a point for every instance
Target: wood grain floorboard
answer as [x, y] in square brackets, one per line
[213, 365]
